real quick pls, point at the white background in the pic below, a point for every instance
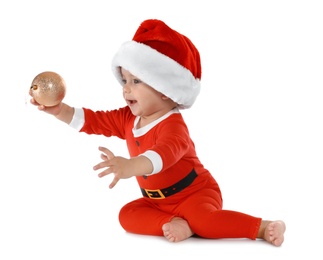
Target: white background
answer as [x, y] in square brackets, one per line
[257, 125]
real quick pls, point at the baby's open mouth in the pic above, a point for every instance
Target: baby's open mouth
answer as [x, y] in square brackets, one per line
[131, 102]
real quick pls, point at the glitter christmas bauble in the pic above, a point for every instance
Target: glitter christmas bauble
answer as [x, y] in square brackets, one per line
[48, 88]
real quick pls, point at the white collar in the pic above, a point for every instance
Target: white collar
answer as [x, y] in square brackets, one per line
[143, 130]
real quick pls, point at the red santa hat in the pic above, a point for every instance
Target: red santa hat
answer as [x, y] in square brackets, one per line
[164, 59]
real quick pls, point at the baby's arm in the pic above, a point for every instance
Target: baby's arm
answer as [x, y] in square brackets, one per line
[66, 113]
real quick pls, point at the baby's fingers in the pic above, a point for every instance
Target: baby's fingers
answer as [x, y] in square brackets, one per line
[101, 165]
[104, 157]
[107, 152]
[103, 173]
[114, 182]
[35, 103]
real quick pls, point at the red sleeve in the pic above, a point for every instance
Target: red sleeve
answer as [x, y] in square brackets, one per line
[173, 142]
[108, 123]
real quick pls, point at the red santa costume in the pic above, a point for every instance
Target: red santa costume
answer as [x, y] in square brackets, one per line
[179, 186]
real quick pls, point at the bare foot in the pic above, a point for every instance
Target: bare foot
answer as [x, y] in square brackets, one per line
[177, 230]
[274, 232]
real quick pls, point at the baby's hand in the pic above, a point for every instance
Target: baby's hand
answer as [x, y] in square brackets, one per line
[55, 110]
[117, 165]
[121, 167]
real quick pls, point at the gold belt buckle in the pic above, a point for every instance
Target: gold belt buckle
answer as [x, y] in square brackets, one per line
[150, 194]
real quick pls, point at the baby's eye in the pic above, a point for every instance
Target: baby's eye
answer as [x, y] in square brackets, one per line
[136, 81]
[124, 81]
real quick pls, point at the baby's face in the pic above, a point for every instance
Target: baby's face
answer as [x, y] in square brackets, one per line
[142, 99]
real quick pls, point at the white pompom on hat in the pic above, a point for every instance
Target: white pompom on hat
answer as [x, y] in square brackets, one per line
[164, 59]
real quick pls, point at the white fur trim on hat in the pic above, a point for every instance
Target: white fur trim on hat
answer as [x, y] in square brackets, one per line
[158, 71]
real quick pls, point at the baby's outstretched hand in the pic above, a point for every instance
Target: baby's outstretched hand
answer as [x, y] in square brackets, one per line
[121, 167]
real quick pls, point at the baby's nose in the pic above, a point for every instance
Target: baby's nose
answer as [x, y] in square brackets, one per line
[126, 88]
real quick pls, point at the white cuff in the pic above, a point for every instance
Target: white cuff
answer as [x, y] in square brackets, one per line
[78, 119]
[155, 159]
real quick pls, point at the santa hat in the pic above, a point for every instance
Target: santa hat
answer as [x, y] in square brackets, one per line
[164, 59]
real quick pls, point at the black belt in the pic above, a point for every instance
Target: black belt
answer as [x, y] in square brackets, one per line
[171, 190]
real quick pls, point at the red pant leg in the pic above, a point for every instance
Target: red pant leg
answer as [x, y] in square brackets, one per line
[230, 224]
[203, 212]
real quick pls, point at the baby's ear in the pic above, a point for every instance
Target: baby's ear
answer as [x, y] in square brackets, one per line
[169, 100]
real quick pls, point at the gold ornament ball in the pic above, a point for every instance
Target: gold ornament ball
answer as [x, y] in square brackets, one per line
[48, 88]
